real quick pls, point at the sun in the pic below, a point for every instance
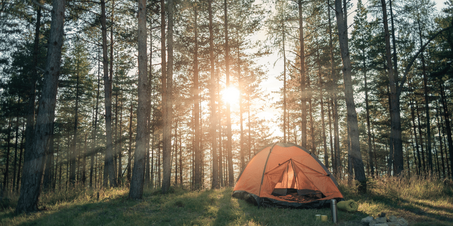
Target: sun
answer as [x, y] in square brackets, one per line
[230, 95]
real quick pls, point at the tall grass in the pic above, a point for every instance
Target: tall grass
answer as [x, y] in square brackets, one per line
[422, 201]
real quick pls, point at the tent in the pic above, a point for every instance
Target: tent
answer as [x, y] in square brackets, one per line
[286, 175]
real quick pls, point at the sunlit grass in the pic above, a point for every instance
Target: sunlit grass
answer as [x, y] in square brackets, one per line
[419, 201]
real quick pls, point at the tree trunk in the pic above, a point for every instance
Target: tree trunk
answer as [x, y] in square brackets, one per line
[368, 124]
[419, 165]
[136, 189]
[168, 105]
[302, 76]
[34, 159]
[109, 170]
[228, 113]
[428, 119]
[441, 146]
[96, 112]
[395, 135]
[48, 173]
[353, 130]
[333, 89]
[421, 139]
[20, 159]
[8, 146]
[32, 95]
[74, 150]
[215, 164]
[321, 105]
[447, 125]
[129, 152]
[196, 108]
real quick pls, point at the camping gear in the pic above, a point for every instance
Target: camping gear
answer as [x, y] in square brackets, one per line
[286, 175]
[333, 208]
[350, 206]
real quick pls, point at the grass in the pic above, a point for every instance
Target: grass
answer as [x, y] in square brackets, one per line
[420, 202]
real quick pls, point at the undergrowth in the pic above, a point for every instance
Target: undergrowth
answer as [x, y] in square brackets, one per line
[421, 202]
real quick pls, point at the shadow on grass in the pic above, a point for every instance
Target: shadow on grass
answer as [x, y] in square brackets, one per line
[422, 211]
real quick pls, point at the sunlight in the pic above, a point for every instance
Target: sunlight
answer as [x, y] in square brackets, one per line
[231, 95]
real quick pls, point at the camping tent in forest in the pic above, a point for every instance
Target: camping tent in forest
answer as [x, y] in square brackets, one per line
[286, 175]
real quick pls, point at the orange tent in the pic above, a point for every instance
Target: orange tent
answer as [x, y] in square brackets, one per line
[286, 175]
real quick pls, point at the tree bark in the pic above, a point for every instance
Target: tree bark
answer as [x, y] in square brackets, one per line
[34, 159]
[138, 173]
[109, 170]
[302, 76]
[166, 177]
[353, 130]
[196, 108]
[395, 134]
[228, 113]
[215, 164]
[447, 125]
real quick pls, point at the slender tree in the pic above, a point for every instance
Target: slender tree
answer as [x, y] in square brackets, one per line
[353, 130]
[136, 190]
[34, 159]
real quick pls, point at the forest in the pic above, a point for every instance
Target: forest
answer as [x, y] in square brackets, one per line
[183, 93]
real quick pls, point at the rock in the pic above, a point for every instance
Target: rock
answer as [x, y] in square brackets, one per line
[381, 220]
[393, 218]
[402, 222]
[374, 223]
[393, 224]
[367, 220]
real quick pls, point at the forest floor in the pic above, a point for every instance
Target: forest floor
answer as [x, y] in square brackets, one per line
[419, 202]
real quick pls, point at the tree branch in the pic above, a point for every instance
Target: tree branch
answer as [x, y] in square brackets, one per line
[42, 6]
[411, 62]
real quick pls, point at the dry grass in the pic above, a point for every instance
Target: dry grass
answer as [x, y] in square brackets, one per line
[421, 202]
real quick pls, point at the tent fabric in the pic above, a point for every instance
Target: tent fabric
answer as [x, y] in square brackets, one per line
[286, 175]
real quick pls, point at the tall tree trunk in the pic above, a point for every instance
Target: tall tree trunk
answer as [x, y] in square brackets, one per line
[114, 141]
[215, 164]
[353, 130]
[196, 108]
[447, 125]
[228, 113]
[109, 170]
[440, 129]
[129, 152]
[74, 150]
[168, 106]
[302, 76]
[421, 139]
[120, 143]
[321, 105]
[336, 160]
[32, 95]
[136, 189]
[368, 124]
[8, 146]
[34, 159]
[419, 165]
[96, 112]
[284, 80]
[425, 89]
[20, 158]
[395, 135]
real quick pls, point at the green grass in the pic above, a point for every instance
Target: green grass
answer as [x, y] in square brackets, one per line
[420, 202]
